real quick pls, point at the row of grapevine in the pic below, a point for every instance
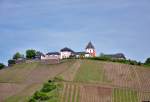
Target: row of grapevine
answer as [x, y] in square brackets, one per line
[125, 95]
[70, 93]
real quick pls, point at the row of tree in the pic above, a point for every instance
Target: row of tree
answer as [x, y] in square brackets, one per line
[30, 54]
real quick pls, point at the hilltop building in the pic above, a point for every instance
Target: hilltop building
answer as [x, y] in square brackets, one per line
[39, 55]
[82, 54]
[66, 53]
[90, 49]
[53, 55]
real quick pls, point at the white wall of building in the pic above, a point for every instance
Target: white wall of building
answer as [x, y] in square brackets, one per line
[90, 50]
[50, 57]
[87, 55]
[65, 54]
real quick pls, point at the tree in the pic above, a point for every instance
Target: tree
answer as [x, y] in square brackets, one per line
[2, 66]
[30, 54]
[17, 56]
[147, 61]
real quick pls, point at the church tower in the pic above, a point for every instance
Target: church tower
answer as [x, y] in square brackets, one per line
[90, 49]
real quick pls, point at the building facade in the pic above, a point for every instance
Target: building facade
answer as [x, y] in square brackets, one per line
[66, 53]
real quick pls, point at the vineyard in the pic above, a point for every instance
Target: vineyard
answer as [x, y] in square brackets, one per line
[95, 93]
[108, 82]
[82, 81]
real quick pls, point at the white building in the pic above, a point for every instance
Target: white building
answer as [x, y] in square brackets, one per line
[51, 55]
[82, 54]
[66, 53]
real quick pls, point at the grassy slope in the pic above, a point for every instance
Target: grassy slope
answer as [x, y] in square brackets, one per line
[90, 71]
[17, 73]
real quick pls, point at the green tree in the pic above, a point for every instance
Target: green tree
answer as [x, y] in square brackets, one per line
[147, 61]
[30, 54]
[17, 56]
[2, 66]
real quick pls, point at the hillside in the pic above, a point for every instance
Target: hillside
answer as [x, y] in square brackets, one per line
[21, 81]
[84, 81]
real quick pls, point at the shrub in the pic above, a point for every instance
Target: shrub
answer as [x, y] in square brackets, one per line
[107, 58]
[11, 62]
[50, 81]
[103, 58]
[47, 87]
[131, 62]
[40, 96]
[32, 100]
[2, 66]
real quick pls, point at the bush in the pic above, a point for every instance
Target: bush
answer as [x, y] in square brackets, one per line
[103, 58]
[47, 87]
[11, 62]
[40, 96]
[32, 100]
[2, 66]
[124, 61]
[132, 62]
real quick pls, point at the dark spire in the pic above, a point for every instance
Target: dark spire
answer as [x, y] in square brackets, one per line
[90, 46]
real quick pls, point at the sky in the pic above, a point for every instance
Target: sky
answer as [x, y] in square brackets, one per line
[113, 26]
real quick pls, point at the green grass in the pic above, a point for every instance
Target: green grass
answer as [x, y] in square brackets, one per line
[125, 95]
[74, 92]
[90, 71]
[20, 72]
[24, 95]
[69, 93]
[78, 94]
[17, 73]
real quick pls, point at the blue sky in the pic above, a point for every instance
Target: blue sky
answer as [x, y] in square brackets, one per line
[49, 25]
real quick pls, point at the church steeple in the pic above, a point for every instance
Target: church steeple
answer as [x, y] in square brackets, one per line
[91, 49]
[90, 46]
